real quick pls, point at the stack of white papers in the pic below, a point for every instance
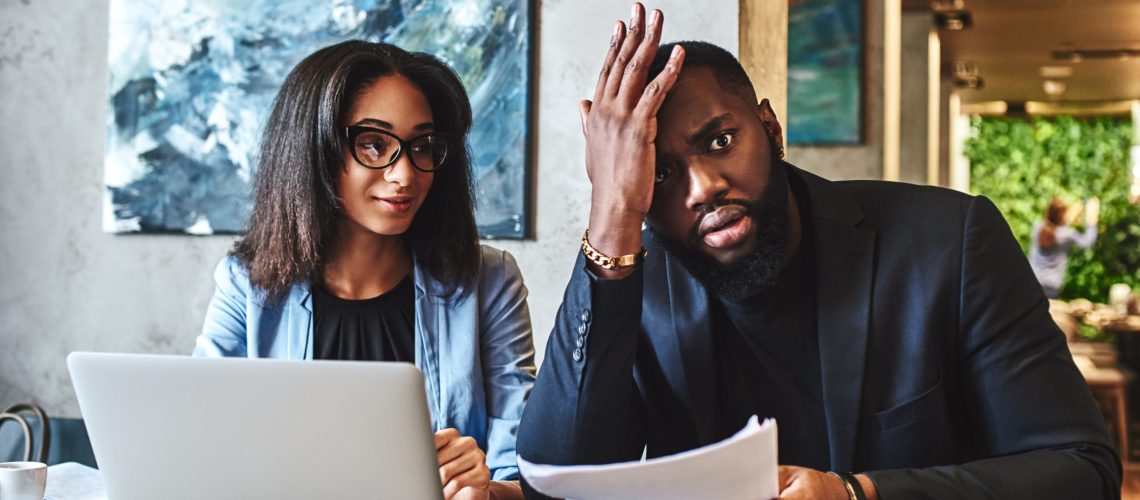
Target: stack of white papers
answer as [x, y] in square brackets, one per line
[740, 467]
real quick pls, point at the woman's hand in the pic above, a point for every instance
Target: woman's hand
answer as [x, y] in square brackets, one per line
[463, 468]
[1092, 212]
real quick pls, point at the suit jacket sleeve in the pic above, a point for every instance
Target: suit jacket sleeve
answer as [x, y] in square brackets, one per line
[1027, 398]
[507, 352]
[224, 329]
[585, 408]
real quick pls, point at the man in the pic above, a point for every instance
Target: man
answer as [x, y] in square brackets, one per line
[895, 332]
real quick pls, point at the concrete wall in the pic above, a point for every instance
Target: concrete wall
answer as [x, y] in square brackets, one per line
[65, 285]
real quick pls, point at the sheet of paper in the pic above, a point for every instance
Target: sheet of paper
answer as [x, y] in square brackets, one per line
[740, 467]
[74, 481]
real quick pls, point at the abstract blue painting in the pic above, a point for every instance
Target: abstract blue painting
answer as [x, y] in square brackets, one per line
[192, 82]
[825, 71]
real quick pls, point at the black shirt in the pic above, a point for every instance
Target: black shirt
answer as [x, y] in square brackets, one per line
[769, 365]
[381, 328]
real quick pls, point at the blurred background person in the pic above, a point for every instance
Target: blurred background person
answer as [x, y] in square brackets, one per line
[1052, 239]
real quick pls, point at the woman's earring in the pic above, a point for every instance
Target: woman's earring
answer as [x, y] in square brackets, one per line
[780, 152]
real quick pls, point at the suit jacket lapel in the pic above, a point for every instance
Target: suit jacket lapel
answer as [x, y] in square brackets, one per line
[845, 255]
[676, 315]
[693, 332]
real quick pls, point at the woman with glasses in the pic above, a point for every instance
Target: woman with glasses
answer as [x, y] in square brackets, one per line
[362, 245]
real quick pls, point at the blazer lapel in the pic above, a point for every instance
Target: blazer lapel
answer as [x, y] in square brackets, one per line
[693, 334]
[427, 342]
[300, 318]
[845, 255]
[682, 336]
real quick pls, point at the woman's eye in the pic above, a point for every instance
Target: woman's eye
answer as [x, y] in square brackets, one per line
[721, 141]
[662, 173]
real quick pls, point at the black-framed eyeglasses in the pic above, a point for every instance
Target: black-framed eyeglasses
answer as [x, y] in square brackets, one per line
[376, 148]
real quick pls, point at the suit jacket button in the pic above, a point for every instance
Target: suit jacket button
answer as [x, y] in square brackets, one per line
[582, 329]
[577, 355]
[581, 341]
[586, 316]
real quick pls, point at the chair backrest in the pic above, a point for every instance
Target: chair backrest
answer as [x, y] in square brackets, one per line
[69, 442]
[15, 412]
[25, 428]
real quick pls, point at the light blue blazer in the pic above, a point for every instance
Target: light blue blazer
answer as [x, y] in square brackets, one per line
[475, 349]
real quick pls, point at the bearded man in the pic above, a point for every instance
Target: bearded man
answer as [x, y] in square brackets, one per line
[896, 333]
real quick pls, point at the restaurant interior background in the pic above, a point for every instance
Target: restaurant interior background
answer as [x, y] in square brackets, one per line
[1020, 100]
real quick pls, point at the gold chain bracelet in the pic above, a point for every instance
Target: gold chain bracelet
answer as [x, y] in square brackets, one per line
[607, 262]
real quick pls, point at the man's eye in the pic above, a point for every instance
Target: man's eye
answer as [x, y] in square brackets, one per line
[721, 141]
[662, 173]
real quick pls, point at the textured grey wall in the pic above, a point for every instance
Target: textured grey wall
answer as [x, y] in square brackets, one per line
[66, 286]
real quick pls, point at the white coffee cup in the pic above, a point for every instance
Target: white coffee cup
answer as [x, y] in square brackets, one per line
[22, 480]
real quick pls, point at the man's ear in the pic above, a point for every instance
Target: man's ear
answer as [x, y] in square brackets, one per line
[771, 123]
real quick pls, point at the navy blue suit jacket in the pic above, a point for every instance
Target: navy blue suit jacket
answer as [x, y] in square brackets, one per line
[943, 374]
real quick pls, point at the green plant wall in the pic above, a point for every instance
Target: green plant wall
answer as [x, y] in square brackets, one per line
[1021, 164]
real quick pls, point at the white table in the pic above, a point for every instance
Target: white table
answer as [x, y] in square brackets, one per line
[74, 481]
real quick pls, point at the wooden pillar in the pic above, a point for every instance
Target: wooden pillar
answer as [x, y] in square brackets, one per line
[764, 51]
[892, 88]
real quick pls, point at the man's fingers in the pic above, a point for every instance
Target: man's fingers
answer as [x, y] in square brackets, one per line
[654, 94]
[607, 66]
[629, 47]
[584, 110]
[634, 80]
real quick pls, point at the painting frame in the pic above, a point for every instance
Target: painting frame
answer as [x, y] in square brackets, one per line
[502, 179]
[810, 121]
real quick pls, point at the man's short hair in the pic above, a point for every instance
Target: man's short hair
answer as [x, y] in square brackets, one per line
[727, 70]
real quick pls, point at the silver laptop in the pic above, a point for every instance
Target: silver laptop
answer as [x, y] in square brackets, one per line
[175, 427]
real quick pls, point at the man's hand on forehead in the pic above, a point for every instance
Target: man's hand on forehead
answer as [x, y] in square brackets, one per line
[620, 125]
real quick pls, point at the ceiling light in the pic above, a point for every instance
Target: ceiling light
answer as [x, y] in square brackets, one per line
[1056, 71]
[970, 83]
[953, 20]
[1053, 88]
[1077, 55]
[941, 5]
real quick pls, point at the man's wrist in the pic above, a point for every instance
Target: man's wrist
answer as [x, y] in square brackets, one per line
[853, 485]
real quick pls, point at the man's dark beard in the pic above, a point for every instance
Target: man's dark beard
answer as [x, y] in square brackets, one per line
[759, 270]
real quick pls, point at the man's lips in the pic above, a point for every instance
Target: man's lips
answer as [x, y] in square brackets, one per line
[725, 226]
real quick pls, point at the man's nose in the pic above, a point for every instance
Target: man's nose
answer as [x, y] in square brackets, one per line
[706, 185]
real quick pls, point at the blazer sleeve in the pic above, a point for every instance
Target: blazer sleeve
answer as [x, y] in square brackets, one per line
[585, 408]
[507, 353]
[1032, 407]
[224, 329]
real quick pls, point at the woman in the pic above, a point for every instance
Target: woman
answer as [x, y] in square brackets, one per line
[362, 245]
[1051, 240]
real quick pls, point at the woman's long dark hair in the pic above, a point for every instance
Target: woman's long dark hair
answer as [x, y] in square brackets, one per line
[296, 210]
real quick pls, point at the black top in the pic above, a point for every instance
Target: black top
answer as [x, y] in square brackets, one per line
[381, 328]
[769, 363]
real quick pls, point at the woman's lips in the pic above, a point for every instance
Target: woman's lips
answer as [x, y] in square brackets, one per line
[397, 204]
